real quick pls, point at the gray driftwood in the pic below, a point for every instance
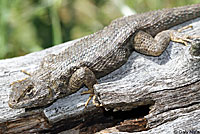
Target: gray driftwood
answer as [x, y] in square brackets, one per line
[169, 85]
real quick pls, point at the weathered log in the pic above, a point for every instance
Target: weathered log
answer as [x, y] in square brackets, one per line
[168, 85]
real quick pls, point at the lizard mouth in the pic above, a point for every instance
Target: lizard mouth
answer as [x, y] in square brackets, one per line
[39, 99]
[34, 102]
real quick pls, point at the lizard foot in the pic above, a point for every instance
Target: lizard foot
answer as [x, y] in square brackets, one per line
[92, 96]
[179, 37]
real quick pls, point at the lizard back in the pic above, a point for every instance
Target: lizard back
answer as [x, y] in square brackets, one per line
[95, 49]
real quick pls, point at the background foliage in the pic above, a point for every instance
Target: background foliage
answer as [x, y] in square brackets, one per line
[32, 25]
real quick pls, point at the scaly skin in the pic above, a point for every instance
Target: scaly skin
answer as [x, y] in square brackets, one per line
[99, 54]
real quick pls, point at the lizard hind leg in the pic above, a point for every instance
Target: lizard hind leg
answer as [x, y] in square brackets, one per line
[84, 76]
[144, 43]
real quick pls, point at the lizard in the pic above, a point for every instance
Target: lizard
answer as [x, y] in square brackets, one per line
[100, 53]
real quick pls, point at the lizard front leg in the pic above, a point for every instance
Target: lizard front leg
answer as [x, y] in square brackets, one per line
[146, 44]
[82, 76]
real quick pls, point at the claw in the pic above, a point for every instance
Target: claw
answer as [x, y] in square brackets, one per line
[23, 71]
[91, 92]
[96, 104]
[17, 81]
[183, 41]
[88, 92]
[183, 28]
[92, 96]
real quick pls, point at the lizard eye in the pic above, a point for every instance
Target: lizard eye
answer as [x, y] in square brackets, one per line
[29, 89]
[27, 93]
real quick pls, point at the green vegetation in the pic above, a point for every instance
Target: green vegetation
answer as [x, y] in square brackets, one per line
[32, 25]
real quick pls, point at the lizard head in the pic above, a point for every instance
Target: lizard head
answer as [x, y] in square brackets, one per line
[26, 94]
